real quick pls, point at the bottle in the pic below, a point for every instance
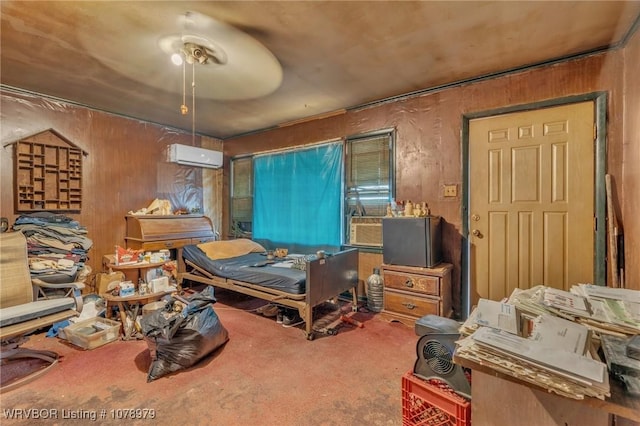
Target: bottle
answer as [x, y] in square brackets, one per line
[375, 288]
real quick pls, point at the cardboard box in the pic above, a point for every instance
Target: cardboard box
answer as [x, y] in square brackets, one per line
[93, 332]
[127, 288]
[127, 256]
[159, 284]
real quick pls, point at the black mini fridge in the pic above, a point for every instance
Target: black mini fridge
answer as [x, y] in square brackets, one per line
[412, 241]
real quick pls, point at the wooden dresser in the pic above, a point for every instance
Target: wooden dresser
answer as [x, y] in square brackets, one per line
[156, 232]
[413, 292]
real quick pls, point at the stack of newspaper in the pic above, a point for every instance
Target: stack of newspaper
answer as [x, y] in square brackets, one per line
[560, 371]
[552, 352]
[605, 310]
[612, 310]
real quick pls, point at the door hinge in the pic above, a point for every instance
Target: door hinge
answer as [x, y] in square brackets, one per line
[595, 131]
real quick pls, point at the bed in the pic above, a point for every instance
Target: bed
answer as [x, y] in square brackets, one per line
[242, 266]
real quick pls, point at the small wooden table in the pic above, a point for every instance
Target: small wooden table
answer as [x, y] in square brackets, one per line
[129, 307]
[132, 272]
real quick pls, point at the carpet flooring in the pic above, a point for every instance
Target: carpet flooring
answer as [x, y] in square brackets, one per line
[266, 374]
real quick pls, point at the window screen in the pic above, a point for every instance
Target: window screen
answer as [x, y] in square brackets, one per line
[369, 174]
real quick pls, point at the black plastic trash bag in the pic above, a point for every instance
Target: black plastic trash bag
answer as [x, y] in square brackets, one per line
[178, 340]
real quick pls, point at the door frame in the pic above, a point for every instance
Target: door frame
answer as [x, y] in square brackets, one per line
[600, 152]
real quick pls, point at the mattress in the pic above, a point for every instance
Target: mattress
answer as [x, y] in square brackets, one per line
[250, 268]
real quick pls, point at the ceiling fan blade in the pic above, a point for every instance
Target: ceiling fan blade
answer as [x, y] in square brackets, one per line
[244, 69]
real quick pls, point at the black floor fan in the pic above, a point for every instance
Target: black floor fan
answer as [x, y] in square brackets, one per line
[435, 353]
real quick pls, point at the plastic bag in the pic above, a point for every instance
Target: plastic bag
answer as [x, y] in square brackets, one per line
[105, 278]
[179, 340]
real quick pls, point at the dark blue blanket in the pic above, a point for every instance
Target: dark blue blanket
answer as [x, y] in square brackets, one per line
[251, 268]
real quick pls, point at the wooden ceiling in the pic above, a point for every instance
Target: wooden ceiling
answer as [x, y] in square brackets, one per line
[334, 55]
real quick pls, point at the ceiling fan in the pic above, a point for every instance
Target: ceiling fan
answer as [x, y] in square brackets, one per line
[235, 66]
[193, 49]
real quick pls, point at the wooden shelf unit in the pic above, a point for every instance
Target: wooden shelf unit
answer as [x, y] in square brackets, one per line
[48, 174]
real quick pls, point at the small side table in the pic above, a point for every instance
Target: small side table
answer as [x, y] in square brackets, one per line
[412, 292]
[130, 307]
[132, 272]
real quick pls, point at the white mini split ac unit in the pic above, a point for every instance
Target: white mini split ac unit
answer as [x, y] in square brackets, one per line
[194, 156]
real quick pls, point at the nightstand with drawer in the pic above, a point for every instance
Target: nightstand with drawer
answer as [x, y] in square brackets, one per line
[413, 292]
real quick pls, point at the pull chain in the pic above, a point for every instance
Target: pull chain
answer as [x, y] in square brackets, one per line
[193, 104]
[183, 108]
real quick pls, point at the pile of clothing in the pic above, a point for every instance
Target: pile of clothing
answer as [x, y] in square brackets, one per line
[57, 246]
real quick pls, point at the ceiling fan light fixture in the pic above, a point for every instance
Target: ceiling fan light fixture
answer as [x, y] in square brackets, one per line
[241, 66]
[176, 58]
[196, 53]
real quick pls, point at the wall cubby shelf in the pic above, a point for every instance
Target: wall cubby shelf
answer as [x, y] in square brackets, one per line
[48, 173]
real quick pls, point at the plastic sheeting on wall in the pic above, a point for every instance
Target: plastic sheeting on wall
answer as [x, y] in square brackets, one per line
[125, 169]
[124, 155]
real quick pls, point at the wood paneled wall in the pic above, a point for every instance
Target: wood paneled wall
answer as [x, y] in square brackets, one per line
[125, 168]
[428, 147]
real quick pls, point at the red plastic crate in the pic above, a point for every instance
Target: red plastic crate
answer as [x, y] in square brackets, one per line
[432, 403]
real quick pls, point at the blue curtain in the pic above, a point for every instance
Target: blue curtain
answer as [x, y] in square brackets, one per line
[297, 198]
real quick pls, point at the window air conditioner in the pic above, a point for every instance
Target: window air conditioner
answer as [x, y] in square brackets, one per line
[194, 156]
[366, 231]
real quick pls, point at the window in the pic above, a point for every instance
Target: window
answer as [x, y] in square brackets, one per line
[241, 197]
[311, 179]
[298, 197]
[369, 173]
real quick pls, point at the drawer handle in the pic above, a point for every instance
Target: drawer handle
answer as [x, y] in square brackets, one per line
[409, 283]
[168, 244]
[409, 305]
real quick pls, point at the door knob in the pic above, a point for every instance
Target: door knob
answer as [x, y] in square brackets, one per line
[477, 233]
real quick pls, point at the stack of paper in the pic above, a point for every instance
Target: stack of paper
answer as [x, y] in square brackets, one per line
[560, 335]
[560, 371]
[525, 338]
[565, 302]
[493, 314]
[614, 311]
[604, 310]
